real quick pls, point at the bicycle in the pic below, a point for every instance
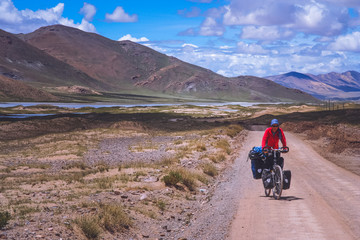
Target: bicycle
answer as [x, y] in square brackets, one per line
[276, 172]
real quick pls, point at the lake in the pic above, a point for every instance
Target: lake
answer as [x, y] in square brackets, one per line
[102, 104]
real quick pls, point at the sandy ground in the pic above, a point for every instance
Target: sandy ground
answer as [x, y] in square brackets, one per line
[322, 203]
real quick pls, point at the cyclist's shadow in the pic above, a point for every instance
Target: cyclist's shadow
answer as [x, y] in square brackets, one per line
[289, 198]
[284, 198]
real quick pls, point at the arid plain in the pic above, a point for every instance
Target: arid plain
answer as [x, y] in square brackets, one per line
[144, 172]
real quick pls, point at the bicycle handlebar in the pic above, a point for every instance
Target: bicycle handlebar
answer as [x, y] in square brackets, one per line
[282, 149]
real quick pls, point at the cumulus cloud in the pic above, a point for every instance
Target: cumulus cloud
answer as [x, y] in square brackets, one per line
[350, 42]
[211, 27]
[278, 19]
[255, 12]
[265, 33]
[24, 21]
[119, 15]
[133, 39]
[308, 16]
[88, 10]
[49, 15]
[8, 13]
[84, 25]
[256, 60]
[251, 48]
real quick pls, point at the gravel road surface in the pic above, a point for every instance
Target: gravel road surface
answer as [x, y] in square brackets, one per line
[322, 203]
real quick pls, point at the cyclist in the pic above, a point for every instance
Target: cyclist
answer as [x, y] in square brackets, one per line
[271, 138]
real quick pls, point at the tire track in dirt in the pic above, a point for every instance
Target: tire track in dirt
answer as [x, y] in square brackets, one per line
[322, 203]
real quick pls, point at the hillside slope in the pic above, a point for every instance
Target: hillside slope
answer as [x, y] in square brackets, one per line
[23, 62]
[12, 90]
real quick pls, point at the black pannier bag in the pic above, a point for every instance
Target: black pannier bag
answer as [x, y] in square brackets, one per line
[286, 179]
[256, 168]
[256, 156]
[267, 179]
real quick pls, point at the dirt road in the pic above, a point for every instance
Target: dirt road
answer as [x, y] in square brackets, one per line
[322, 203]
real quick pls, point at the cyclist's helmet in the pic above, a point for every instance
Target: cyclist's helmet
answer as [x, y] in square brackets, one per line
[274, 122]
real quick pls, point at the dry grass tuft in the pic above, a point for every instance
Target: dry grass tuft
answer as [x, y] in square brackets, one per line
[233, 130]
[210, 169]
[218, 157]
[90, 226]
[114, 218]
[224, 145]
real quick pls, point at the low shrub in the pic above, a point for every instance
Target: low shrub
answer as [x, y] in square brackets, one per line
[173, 178]
[233, 130]
[4, 219]
[224, 145]
[183, 176]
[161, 205]
[219, 157]
[210, 169]
[114, 218]
[104, 183]
[90, 226]
[200, 147]
[190, 182]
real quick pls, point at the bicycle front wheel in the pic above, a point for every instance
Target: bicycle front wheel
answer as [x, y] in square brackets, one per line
[267, 192]
[278, 182]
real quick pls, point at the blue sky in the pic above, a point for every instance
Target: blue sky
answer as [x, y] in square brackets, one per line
[230, 37]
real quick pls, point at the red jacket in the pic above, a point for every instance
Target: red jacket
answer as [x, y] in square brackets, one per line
[271, 139]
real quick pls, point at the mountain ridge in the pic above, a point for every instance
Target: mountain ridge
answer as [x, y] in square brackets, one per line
[105, 65]
[331, 85]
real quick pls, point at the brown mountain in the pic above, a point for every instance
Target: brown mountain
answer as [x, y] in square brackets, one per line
[126, 65]
[118, 64]
[324, 86]
[23, 62]
[73, 57]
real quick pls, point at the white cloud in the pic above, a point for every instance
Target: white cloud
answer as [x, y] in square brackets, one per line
[225, 47]
[350, 42]
[84, 25]
[133, 39]
[119, 15]
[251, 48]
[210, 27]
[309, 16]
[49, 15]
[265, 33]
[257, 13]
[8, 13]
[189, 45]
[253, 59]
[24, 21]
[89, 11]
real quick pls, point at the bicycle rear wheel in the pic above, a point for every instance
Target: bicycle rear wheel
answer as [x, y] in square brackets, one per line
[278, 182]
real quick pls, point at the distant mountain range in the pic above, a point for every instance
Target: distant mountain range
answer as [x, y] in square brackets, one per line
[324, 86]
[56, 62]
